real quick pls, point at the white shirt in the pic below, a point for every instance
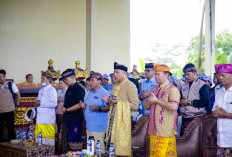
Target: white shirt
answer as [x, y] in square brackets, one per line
[223, 99]
[48, 101]
[14, 87]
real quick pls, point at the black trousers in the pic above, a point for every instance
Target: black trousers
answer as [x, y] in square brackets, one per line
[7, 117]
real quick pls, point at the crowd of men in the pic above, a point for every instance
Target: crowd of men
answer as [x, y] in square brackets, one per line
[110, 108]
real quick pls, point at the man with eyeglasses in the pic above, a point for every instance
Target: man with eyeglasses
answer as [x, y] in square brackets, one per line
[146, 86]
[222, 110]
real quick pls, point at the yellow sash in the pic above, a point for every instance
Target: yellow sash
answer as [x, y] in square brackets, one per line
[47, 130]
[121, 131]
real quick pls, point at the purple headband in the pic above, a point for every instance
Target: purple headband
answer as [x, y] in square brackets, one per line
[224, 68]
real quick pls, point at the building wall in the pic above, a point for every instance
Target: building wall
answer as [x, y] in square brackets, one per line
[110, 34]
[32, 32]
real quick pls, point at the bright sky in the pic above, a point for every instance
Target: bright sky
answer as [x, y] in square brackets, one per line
[170, 22]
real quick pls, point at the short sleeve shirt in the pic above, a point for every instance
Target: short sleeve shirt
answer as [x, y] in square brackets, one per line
[162, 121]
[223, 99]
[14, 87]
[96, 121]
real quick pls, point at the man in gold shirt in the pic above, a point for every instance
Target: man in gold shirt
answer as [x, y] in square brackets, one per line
[123, 102]
[163, 103]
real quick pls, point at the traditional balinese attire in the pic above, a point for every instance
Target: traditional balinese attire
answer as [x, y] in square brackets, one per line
[46, 116]
[223, 99]
[71, 130]
[119, 121]
[162, 123]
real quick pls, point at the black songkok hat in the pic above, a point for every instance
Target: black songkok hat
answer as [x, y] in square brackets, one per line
[149, 65]
[67, 73]
[120, 66]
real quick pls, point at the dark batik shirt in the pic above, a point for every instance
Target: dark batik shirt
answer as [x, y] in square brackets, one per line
[73, 96]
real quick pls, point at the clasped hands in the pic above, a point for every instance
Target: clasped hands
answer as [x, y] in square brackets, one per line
[143, 95]
[152, 99]
[81, 105]
[110, 99]
[184, 101]
[220, 113]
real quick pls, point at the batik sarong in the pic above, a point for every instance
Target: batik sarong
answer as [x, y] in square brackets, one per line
[71, 137]
[74, 136]
[110, 127]
[224, 152]
[63, 142]
[162, 146]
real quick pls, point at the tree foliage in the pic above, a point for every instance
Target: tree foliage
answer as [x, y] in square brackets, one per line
[223, 48]
[169, 54]
[142, 64]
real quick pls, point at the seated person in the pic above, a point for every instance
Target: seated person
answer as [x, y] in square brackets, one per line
[29, 78]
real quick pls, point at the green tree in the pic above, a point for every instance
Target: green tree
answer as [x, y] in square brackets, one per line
[223, 48]
[192, 50]
[142, 64]
[176, 70]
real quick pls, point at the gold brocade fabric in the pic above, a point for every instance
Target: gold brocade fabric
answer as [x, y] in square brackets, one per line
[121, 131]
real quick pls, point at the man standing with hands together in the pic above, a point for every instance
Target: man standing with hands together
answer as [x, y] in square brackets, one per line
[222, 110]
[46, 116]
[195, 96]
[163, 104]
[73, 113]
